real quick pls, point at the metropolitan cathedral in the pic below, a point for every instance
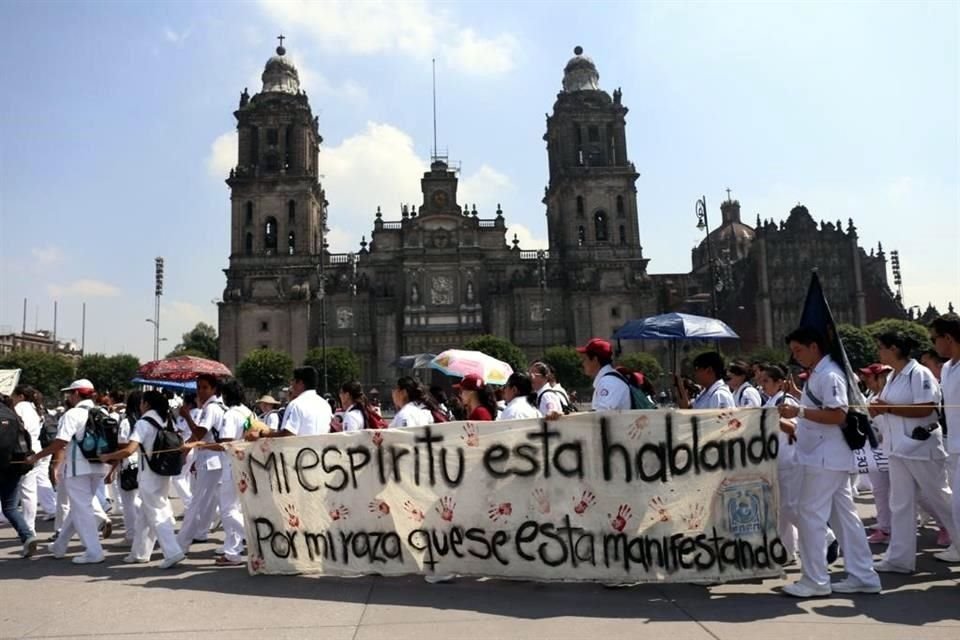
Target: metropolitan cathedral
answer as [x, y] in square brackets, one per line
[445, 272]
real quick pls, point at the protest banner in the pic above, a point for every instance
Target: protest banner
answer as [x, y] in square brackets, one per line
[618, 497]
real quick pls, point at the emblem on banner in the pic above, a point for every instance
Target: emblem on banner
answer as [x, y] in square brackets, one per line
[746, 506]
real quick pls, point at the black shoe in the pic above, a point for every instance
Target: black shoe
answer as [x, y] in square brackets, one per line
[833, 552]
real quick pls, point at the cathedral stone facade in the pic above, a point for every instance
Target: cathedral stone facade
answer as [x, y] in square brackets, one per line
[443, 273]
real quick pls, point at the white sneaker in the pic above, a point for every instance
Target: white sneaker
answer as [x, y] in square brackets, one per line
[173, 561]
[885, 567]
[853, 585]
[87, 560]
[29, 547]
[438, 579]
[59, 555]
[132, 559]
[803, 589]
[948, 555]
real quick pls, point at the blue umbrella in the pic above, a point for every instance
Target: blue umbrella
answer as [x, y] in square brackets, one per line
[675, 326]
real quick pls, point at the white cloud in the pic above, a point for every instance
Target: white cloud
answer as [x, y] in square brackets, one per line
[47, 255]
[84, 288]
[341, 241]
[487, 185]
[411, 28]
[525, 237]
[176, 37]
[223, 155]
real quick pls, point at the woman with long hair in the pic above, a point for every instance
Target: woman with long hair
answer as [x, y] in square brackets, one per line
[357, 413]
[520, 398]
[414, 406]
[479, 399]
[772, 381]
[913, 442]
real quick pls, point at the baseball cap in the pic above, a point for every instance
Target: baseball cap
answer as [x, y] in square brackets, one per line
[470, 382]
[79, 385]
[597, 348]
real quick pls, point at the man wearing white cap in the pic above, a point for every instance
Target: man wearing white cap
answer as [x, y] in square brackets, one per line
[81, 477]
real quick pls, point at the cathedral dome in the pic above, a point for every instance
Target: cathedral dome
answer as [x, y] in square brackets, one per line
[580, 74]
[279, 75]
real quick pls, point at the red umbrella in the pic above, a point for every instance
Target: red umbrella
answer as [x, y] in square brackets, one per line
[182, 368]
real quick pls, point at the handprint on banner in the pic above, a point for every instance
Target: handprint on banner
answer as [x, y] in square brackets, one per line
[584, 502]
[239, 454]
[636, 429]
[293, 519]
[471, 435]
[379, 508]
[256, 563]
[445, 508]
[415, 512]
[377, 438]
[541, 501]
[244, 483]
[656, 503]
[339, 512]
[619, 522]
[694, 519]
[500, 511]
[732, 425]
[264, 444]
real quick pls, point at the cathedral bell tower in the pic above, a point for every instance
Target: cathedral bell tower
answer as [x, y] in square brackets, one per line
[278, 218]
[591, 198]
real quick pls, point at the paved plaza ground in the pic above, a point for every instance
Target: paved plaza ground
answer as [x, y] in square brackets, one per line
[47, 598]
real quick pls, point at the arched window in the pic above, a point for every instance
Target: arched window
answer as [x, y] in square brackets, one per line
[620, 212]
[292, 213]
[270, 236]
[248, 244]
[581, 236]
[623, 234]
[248, 218]
[291, 243]
[580, 206]
[600, 225]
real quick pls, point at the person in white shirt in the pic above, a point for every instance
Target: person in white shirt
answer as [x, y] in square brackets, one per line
[874, 378]
[307, 414]
[772, 380]
[708, 373]
[207, 462]
[945, 334]
[234, 420]
[35, 487]
[413, 404]
[155, 517]
[551, 398]
[913, 442]
[610, 390]
[520, 398]
[357, 414]
[738, 381]
[81, 477]
[267, 406]
[826, 463]
[129, 500]
[183, 484]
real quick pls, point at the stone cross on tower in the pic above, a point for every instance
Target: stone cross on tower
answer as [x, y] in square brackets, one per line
[728, 195]
[281, 38]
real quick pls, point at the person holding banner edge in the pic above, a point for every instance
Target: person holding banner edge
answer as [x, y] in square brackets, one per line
[945, 334]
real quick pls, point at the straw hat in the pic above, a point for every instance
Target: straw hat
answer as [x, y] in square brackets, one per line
[268, 399]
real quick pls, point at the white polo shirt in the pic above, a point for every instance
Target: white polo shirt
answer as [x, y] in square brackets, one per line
[31, 422]
[550, 399]
[72, 428]
[307, 415]
[950, 389]
[822, 445]
[145, 434]
[747, 396]
[412, 415]
[271, 419]
[610, 392]
[914, 384]
[519, 409]
[353, 419]
[717, 396]
[787, 451]
[211, 419]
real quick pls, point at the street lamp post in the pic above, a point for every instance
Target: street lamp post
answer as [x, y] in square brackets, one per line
[322, 293]
[158, 291]
[703, 223]
[542, 269]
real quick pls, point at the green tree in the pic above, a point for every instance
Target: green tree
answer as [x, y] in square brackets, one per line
[644, 362]
[499, 348]
[47, 372]
[200, 341]
[108, 373]
[566, 363]
[860, 346]
[265, 370]
[771, 355]
[913, 329]
[343, 365]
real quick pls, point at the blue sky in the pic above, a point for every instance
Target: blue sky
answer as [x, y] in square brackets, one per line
[116, 128]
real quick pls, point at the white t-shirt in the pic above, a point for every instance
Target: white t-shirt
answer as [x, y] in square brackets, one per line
[211, 419]
[787, 451]
[412, 415]
[550, 399]
[747, 396]
[822, 445]
[126, 430]
[519, 409]
[717, 396]
[71, 429]
[610, 392]
[307, 415]
[31, 422]
[353, 419]
[915, 384]
[145, 434]
[950, 389]
[271, 419]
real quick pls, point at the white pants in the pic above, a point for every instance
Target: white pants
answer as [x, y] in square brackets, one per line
[231, 517]
[788, 477]
[63, 506]
[155, 522]
[130, 501]
[80, 519]
[881, 498]
[36, 490]
[197, 519]
[953, 469]
[827, 495]
[183, 483]
[908, 480]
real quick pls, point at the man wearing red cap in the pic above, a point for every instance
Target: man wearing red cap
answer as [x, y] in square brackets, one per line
[610, 390]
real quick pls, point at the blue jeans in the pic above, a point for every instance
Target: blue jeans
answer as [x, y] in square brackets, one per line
[9, 498]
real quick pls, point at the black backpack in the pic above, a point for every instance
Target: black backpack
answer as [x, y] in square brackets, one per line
[48, 430]
[166, 459]
[100, 435]
[15, 444]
